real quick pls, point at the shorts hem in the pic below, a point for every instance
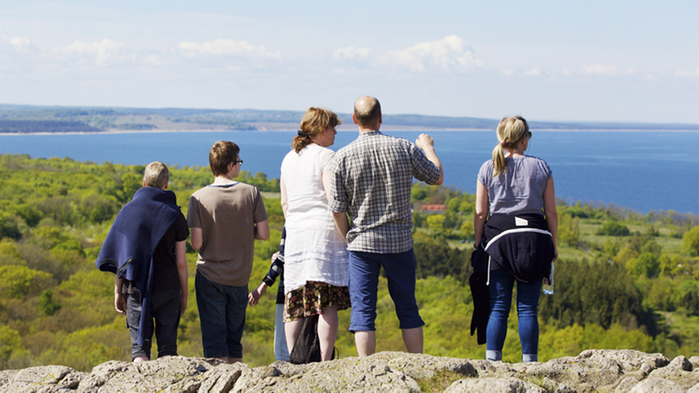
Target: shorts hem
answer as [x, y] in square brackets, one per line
[421, 324]
[361, 329]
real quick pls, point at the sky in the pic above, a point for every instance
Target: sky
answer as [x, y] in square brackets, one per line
[610, 60]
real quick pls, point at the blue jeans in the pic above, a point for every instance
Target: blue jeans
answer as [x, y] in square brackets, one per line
[222, 317]
[363, 271]
[501, 284]
[281, 352]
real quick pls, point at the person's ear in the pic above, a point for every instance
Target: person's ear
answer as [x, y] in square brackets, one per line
[380, 118]
[354, 119]
[144, 183]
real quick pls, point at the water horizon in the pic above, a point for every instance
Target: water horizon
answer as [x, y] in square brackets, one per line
[623, 168]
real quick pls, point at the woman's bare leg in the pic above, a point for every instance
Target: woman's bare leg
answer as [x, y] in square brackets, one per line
[291, 331]
[327, 331]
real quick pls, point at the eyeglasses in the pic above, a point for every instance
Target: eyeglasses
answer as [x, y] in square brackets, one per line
[239, 162]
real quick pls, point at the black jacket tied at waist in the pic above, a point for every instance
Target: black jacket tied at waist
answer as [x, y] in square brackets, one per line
[521, 244]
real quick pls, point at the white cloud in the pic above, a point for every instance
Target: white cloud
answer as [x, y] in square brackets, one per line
[536, 71]
[566, 72]
[599, 69]
[225, 47]
[450, 54]
[683, 73]
[152, 60]
[353, 58]
[18, 41]
[102, 51]
[608, 70]
[16, 45]
[352, 53]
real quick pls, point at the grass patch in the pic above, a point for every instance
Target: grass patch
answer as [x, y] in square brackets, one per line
[680, 324]
[573, 253]
[670, 245]
[466, 245]
[542, 382]
[440, 381]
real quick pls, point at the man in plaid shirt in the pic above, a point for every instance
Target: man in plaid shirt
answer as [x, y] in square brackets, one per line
[371, 181]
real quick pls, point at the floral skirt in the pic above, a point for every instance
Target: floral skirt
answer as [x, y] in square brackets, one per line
[312, 298]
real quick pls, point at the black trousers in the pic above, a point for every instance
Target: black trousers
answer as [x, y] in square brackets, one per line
[165, 310]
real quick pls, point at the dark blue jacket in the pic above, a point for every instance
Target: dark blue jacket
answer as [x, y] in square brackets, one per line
[128, 249]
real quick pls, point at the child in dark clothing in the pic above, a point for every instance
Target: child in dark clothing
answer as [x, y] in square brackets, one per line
[149, 235]
[281, 351]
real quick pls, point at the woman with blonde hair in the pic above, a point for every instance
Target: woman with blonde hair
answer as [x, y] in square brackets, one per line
[315, 272]
[515, 193]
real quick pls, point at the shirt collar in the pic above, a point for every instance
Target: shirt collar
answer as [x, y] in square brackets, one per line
[370, 133]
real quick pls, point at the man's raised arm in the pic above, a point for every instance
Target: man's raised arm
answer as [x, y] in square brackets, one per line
[426, 143]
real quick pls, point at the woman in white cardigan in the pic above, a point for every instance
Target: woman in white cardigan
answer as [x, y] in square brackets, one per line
[315, 272]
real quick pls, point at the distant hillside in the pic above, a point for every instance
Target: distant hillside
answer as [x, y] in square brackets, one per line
[95, 119]
[33, 126]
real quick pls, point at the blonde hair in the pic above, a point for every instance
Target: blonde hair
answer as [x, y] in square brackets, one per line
[221, 154]
[156, 175]
[511, 131]
[314, 121]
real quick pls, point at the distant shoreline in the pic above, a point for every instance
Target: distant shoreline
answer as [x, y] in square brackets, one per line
[341, 129]
[58, 120]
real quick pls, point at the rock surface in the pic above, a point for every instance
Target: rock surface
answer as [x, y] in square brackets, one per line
[619, 371]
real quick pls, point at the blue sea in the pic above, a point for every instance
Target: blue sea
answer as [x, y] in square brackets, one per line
[644, 171]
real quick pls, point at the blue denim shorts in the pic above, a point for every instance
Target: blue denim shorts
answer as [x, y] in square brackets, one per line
[222, 317]
[363, 285]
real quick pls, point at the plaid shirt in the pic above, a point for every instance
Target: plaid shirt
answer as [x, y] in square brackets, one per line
[371, 180]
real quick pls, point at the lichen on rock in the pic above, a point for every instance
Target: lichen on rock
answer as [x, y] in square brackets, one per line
[593, 370]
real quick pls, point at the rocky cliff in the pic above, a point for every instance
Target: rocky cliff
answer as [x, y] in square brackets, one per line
[592, 370]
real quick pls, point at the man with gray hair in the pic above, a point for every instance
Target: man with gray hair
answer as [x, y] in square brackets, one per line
[371, 181]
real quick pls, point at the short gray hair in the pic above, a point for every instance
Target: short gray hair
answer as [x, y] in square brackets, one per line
[156, 175]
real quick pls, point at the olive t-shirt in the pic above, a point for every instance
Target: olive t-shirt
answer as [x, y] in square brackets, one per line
[227, 216]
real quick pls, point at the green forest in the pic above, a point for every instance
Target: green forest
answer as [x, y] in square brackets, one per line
[623, 280]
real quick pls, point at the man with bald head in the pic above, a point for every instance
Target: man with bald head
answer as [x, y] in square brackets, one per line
[371, 181]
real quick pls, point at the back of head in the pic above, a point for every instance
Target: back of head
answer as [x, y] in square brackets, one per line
[367, 112]
[222, 154]
[511, 131]
[156, 175]
[314, 121]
